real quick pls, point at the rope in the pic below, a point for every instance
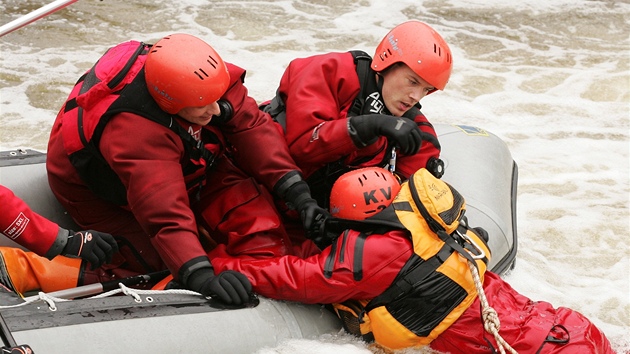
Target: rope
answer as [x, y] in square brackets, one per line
[134, 293]
[41, 296]
[490, 318]
[491, 321]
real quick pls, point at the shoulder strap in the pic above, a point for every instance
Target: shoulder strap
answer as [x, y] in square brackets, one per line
[277, 109]
[362, 61]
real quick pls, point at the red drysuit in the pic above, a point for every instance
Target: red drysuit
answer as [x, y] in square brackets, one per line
[27, 228]
[318, 91]
[328, 278]
[160, 219]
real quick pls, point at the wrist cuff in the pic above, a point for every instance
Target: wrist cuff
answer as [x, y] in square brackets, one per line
[297, 194]
[285, 183]
[191, 266]
[59, 244]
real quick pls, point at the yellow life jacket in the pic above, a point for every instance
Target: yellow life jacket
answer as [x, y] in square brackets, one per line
[436, 285]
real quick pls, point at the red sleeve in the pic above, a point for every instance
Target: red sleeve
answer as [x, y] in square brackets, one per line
[318, 91]
[147, 158]
[258, 144]
[27, 228]
[304, 280]
[407, 165]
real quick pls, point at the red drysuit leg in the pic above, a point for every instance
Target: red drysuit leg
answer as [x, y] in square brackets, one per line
[528, 326]
[241, 213]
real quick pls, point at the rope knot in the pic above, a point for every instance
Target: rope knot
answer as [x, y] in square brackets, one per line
[491, 321]
[48, 300]
[130, 292]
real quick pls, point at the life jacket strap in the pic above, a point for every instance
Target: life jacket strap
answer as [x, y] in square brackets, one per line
[415, 270]
[362, 61]
[277, 110]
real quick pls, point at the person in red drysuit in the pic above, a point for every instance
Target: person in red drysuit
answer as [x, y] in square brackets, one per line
[345, 110]
[158, 144]
[46, 240]
[361, 266]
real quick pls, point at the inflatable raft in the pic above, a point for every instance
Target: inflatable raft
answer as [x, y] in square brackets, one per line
[478, 164]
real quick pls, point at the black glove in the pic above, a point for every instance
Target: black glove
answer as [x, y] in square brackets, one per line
[319, 233]
[231, 287]
[403, 132]
[299, 198]
[92, 246]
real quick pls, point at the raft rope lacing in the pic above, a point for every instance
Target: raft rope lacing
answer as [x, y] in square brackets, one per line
[134, 293]
[490, 317]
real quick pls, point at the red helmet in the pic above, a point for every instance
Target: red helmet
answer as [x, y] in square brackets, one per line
[184, 71]
[421, 48]
[361, 193]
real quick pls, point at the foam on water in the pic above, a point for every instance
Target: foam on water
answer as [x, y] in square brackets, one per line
[551, 78]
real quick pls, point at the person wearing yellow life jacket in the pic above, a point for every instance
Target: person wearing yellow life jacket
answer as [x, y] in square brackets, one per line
[162, 145]
[400, 274]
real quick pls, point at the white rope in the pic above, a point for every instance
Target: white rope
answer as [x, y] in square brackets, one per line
[491, 321]
[41, 296]
[134, 293]
[50, 300]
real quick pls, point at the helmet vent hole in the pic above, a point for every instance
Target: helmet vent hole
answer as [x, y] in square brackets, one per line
[213, 62]
[437, 50]
[361, 179]
[201, 74]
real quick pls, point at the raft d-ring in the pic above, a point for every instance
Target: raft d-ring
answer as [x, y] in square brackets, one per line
[481, 252]
[148, 299]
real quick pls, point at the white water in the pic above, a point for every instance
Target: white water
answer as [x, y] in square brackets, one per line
[549, 77]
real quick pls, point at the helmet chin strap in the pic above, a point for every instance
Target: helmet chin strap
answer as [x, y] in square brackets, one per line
[379, 80]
